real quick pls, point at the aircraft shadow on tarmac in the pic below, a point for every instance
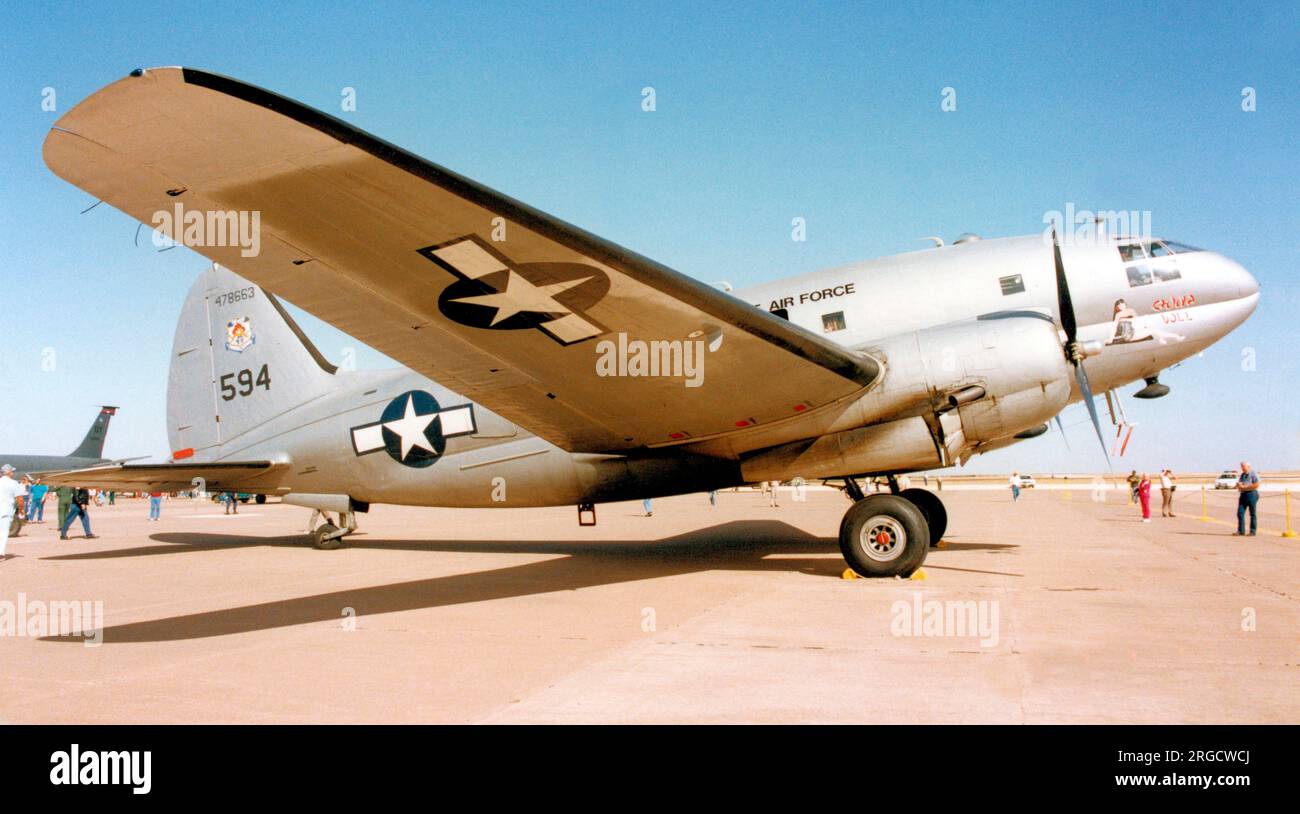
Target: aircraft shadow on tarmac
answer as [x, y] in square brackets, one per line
[740, 545]
[744, 545]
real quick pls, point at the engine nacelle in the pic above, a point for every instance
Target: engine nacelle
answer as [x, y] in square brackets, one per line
[945, 393]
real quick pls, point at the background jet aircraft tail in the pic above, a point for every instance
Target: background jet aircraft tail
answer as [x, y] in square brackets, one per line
[90, 452]
[238, 361]
[92, 446]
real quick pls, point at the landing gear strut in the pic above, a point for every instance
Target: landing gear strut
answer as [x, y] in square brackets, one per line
[328, 535]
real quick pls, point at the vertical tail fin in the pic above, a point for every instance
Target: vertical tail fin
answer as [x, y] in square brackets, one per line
[238, 361]
[92, 446]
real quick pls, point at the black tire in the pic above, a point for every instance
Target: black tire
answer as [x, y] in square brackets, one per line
[260, 499]
[318, 540]
[902, 541]
[936, 516]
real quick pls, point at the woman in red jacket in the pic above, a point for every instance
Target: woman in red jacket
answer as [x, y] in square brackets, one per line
[1144, 495]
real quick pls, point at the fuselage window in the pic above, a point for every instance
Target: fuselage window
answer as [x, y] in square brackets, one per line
[783, 313]
[1138, 275]
[1015, 284]
[1165, 273]
[833, 322]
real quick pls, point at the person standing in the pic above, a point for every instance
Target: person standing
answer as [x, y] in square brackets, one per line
[26, 508]
[64, 494]
[713, 497]
[1167, 488]
[36, 514]
[1247, 499]
[1133, 481]
[649, 507]
[155, 504]
[1144, 497]
[112, 498]
[80, 509]
[10, 489]
[1015, 486]
[771, 496]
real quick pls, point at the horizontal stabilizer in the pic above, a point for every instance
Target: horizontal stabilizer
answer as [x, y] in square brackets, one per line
[207, 477]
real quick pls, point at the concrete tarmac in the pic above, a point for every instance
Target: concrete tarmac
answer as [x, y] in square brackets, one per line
[1054, 609]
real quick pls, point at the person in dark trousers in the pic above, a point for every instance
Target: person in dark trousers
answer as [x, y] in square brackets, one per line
[1133, 481]
[1247, 499]
[80, 508]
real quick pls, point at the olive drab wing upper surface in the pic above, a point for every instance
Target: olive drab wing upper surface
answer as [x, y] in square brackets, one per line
[497, 301]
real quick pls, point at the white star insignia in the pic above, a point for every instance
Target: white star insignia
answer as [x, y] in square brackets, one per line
[522, 297]
[411, 427]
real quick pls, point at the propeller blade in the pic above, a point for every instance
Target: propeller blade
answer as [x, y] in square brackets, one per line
[1063, 301]
[1081, 376]
[1061, 427]
[1070, 325]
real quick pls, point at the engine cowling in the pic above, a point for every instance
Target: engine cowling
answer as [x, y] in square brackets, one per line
[945, 393]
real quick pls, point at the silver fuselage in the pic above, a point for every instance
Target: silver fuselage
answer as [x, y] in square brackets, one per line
[861, 306]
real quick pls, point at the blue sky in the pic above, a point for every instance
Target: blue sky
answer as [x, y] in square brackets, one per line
[764, 112]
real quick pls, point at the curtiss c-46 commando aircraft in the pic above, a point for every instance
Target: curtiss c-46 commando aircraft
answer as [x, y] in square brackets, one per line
[547, 366]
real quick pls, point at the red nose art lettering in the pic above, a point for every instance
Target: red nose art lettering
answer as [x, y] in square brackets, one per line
[1170, 303]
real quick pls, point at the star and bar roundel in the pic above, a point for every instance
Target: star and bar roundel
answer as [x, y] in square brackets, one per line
[413, 429]
[491, 291]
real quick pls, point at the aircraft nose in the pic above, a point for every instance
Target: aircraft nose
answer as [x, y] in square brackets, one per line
[1235, 275]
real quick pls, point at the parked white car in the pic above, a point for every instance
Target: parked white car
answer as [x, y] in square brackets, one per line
[1228, 480]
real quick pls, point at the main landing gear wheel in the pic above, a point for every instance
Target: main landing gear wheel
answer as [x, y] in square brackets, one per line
[884, 536]
[936, 516]
[326, 537]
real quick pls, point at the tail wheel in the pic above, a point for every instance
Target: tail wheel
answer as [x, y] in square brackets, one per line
[320, 537]
[936, 516]
[884, 536]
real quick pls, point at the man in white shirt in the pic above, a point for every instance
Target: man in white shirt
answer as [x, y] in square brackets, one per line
[10, 490]
[1167, 479]
[1015, 486]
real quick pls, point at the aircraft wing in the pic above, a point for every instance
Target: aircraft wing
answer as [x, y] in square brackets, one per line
[209, 477]
[534, 318]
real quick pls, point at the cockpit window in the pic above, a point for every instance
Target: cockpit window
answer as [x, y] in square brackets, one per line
[1135, 252]
[1131, 252]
